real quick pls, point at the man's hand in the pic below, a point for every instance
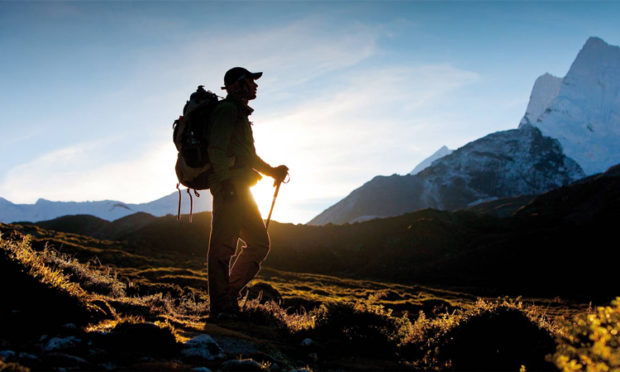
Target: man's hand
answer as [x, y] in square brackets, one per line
[279, 174]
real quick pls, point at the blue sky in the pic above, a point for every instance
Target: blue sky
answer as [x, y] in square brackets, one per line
[351, 89]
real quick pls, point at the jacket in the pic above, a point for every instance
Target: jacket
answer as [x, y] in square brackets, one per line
[230, 136]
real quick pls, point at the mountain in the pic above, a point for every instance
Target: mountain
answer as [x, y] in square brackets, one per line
[584, 113]
[539, 249]
[580, 111]
[545, 89]
[106, 209]
[443, 151]
[555, 244]
[508, 163]
[99, 228]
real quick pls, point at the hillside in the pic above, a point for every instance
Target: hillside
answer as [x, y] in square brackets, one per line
[502, 164]
[472, 248]
[127, 312]
[547, 239]
[414, 292]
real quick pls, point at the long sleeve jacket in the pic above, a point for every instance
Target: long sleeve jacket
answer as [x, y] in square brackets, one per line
[231, 136]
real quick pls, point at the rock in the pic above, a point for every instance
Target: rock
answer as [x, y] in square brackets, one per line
[236, 346]
[63, 360]
[241, 365]
[200, 369]
[29, 360]
[108, 366]
[7, 354]
[61, 343]
[307, 342]
[203, 347]
[27, 356]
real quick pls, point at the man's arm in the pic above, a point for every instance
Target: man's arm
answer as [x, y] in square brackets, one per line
[261, 165]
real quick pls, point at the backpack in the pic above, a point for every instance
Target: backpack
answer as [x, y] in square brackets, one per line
[191, 136]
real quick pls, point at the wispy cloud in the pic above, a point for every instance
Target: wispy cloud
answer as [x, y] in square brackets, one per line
[366, 123]
[140, 167]
[81, 172]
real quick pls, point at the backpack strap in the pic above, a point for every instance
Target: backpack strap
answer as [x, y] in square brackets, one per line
[191, 202]
[191, 205]
[179, 210]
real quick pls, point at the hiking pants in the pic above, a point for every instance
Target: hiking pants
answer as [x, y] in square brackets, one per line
[232, 220]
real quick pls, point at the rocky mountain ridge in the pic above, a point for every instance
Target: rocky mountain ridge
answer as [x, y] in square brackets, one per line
[577, 121]
[502, 164]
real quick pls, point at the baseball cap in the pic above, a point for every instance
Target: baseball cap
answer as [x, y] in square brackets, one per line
[237, 73]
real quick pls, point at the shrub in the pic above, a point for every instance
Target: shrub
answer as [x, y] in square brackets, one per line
[357, 328]
[592, 342]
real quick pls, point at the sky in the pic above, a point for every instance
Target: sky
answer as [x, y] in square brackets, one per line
[350, 90]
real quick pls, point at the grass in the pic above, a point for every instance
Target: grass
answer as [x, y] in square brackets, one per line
[352, 324]
[591, 342]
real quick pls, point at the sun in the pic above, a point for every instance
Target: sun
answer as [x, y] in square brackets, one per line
[263, 193]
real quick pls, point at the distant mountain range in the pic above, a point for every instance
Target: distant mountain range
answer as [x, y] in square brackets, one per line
[571, 128]
[537, 247]
[107, 209]
[508, 163]
[551, 243]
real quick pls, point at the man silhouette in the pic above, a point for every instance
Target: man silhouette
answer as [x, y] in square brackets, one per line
[235, 214]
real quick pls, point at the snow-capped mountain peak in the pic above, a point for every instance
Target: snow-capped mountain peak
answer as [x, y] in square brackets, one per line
[585, 114]
[545, 89]
[507, 163]
[443, 151]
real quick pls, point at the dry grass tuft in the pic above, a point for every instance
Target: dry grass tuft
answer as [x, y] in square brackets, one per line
[591, 341]
[34, 264]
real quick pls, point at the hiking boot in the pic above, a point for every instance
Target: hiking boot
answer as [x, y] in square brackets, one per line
[226, 310]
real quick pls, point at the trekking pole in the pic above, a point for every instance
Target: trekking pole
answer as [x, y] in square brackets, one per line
[286, 179]
[275, 195]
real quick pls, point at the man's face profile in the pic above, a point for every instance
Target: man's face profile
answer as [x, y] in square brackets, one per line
[250, 87]
[244, 88]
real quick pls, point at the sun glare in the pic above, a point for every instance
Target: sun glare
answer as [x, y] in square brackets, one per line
[263, 194]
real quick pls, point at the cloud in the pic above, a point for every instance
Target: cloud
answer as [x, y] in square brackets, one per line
[367, 112]
[81, 172]
[289, 54]
[151, 97]
[366, 123]
[334, 118]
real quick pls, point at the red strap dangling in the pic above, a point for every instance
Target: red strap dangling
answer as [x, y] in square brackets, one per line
[179, 210]
[191, 205]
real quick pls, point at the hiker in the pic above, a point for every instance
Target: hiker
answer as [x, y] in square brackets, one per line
[235, 214]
